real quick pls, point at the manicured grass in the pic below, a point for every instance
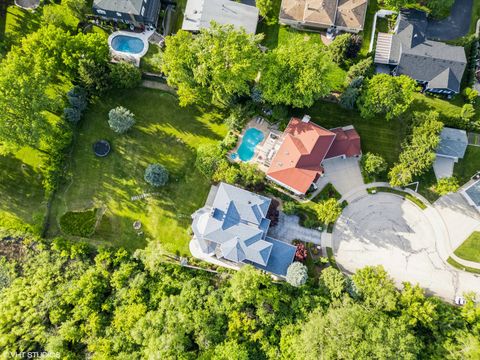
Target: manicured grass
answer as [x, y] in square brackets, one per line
[475, 16]
[22, 196]
[151, 62]
[327, 192]
[461, 267]
[470, 249]
[377, 135]
[468, 166]
[164, 133]
[367, 29]
[16, 25]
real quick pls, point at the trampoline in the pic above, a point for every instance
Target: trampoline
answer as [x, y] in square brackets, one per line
[101, 148]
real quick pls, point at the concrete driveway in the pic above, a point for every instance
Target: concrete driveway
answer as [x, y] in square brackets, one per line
[288, 229]
[454, 26]
[344, 174]
[384, 229]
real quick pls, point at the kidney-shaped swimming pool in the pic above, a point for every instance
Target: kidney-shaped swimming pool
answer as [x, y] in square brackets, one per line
[251, 139]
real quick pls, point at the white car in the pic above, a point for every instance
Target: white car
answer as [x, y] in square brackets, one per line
[459, 300]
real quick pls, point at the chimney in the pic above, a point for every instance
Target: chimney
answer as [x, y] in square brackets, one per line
[306, 118]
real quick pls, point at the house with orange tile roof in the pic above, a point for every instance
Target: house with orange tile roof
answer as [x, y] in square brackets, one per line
[345, 15]
[298, 162]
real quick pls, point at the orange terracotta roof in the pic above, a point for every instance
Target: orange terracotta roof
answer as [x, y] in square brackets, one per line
[297, 162]
[347, 142]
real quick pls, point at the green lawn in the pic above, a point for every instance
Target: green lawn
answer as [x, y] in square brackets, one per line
[367, 29]
[165, 134]
[461, 267]
[470, 249]
[475, 15]
[378, 135]
[16, 25]
[469, 165]
[22, 196]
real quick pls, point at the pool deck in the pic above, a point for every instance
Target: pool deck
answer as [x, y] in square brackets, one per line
[266, 149]
[126, 56]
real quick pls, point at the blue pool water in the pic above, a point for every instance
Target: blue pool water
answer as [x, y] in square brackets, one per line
[251, 139]
[128, 44]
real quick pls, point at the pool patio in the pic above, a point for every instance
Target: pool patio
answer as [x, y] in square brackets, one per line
[266, 149]
[134, 58]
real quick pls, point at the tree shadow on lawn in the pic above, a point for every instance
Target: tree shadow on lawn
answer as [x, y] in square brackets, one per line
[20, 188]
[21, 23]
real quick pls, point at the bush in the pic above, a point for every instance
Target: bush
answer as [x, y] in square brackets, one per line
[125, 75]
[94, 77]
[339, 47]
[208, 159]
[77, 98]
[348, 99]
[301, 252]
[229, 141]
[120, 119]
[250, 175]
[373, 164]
[297, 274]
[226, 172]
[81, 223]
[446, 185]
[238, 117]
[156, 175]
[470, 95]
[363, 68]
[328, 210]
[72, 115]
[467, 112]
[289, 207]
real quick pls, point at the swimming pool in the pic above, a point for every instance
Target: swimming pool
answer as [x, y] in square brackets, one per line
[251, 139]
[127, 44]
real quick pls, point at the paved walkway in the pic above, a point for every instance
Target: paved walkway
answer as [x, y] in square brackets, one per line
[158, 85]
[455, 26]
[288, 229]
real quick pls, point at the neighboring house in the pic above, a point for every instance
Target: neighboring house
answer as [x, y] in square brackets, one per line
[233, 226]
[140, 13]
[453, 144]
[472, 194]
[298, 162]
[436, 66]
[346, 15]
[200, 13]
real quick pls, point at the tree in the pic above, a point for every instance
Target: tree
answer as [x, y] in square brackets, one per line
[72, 114]
[364, 68]
[125, 75]
[400, 175]
[120, 119]
[296, 73]
[328, 210]
[250, 175]
[387, 95]
[467, 112]
[230, 350]
[213, 67]
[156, 175]
[350, 332]
[297, 274]
[348, 99]
[93, 76]
[226, 172]
[333, 281]
[208, 159]
[268, 9]
[446, 185]
[339, 47]
[373, 164]
[376, 288]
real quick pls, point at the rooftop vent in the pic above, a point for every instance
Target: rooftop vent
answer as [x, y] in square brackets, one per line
[306, 118]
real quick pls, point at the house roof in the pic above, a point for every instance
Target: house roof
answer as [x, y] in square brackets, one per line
[436, 63]
[123, 6]
[200, 13]
[297, 161]
[453, 143]
[281, 256]
[351, 13]
[347, 142]
[346, 13]
[473, 193]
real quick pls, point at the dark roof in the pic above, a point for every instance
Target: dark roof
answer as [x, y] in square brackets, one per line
[131, 7]
[281, 256]
[453, 143]
[473, 193]
[436, 63]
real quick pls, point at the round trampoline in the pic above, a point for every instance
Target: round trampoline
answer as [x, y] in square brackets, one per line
[101, 148]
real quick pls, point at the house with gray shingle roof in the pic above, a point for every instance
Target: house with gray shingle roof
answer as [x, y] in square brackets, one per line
[140, 13]
[452, 147]
[436, 66]
[233, 226]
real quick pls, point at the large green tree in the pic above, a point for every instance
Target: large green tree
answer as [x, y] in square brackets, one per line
[214, 66]
[386, 95]
[296, 73]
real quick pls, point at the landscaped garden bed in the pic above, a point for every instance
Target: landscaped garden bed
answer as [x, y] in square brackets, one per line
[79, 223]
[401, 193]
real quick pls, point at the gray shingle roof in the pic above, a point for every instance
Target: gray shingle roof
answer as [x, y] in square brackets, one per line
[453, 143]
[423, 59]
[473, 193]
[123, 6]
[234, 226]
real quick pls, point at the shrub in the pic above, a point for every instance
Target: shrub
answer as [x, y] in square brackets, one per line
[301, 252]
[208, 159]
[349, 97]
[238, 117]
[467, 112]
[250, 175]
[72, 114]
[81, 223]
[470, 95]
[125, 75]
[94, 77]
[373, 164]
[297, 274]
[229, 141]
[156, 175]
[446, 185]
[120, 119]
[226, 172]
[339, 47]
[77, 98]
[289, 207]
[363, 68]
